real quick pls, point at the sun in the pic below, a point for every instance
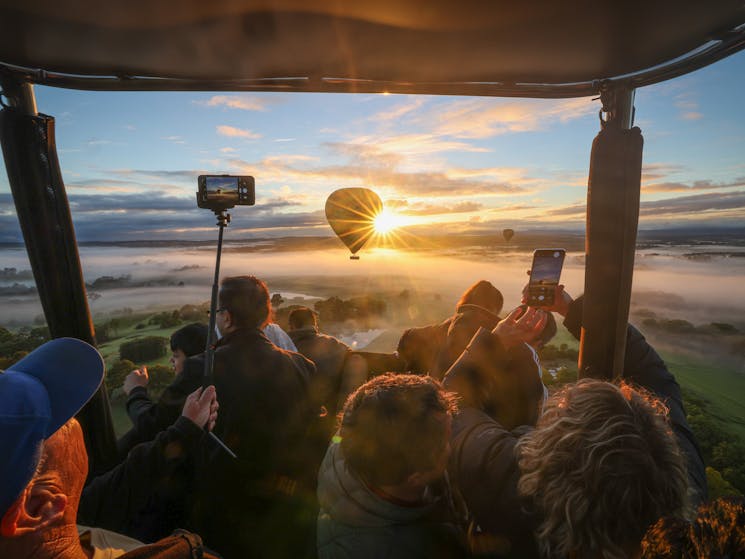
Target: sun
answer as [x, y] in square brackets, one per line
[385, 222]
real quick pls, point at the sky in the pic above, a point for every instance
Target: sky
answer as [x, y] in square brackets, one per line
[442, 164]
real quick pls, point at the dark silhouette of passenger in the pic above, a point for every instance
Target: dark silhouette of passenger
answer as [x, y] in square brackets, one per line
[479, 307]
[419, 347]
[329, 356]
[146, 417]
[262, 503]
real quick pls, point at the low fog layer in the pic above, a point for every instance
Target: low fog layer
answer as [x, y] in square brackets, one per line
[665, 282]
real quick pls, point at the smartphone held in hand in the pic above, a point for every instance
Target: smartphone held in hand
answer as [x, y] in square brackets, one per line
[544, 276]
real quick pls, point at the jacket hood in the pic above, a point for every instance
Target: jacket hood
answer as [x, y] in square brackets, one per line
[344, 497]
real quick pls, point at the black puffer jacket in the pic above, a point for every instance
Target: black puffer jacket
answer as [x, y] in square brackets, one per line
[262, 503]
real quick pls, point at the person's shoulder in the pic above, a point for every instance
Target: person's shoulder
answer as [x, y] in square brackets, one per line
[299, 359]
[332, 341]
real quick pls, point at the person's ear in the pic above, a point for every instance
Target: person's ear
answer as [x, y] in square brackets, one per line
[228, 319]
[38, 507]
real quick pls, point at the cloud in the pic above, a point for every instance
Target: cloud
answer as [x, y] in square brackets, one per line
[403, 207]
[485, 118]
[233, 132]
[688, 106]
[186, 175]
[656, 177]
[692, 115]
[376, 170]
[695, 185]
[134, 216]
[572, 210]
[398, 111]
[137, 182]
[730, 205]
[696, 204]
[656, 171]
[174, 139]
[242, 102]
[157, 202]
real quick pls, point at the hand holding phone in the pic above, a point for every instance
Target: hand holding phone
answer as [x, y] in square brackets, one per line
[544, 276]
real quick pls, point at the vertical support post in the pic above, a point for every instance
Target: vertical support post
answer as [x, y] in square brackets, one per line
[35, 179]
[612, 219]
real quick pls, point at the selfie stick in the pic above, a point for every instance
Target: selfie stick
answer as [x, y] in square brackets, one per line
[223, 218]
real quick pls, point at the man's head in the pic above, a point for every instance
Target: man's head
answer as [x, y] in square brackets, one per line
[601, 466]
[45, 464]
[395, 430]
[302, 317]
[483, 294]
[244, 303]
[185, 342]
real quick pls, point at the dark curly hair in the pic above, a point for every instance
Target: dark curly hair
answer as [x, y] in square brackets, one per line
[392, 426]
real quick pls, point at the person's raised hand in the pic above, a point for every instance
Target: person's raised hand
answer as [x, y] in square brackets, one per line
[561, 303]
[562, 300]
[521, 325]
[201, 407]
[138, 377]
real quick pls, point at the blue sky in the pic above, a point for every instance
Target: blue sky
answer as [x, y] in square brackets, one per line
[444, 164]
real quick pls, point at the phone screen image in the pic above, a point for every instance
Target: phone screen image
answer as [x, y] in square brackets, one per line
[221, 185]
[544, 276]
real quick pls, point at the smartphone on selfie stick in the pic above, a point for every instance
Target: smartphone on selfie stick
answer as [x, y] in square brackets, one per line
[544, 276]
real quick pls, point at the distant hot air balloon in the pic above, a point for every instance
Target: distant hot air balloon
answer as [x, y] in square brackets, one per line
[351, 213]
[507, 234]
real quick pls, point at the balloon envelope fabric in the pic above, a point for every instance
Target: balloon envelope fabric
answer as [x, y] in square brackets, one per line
[351, 214]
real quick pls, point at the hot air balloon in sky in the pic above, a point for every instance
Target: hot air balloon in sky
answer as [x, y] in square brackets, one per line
[351, 213]
[507, 234]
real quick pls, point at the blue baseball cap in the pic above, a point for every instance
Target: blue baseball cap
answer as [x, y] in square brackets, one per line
[38, 395]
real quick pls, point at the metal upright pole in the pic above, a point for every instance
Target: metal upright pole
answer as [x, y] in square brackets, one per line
[612, 219]
[28, 142]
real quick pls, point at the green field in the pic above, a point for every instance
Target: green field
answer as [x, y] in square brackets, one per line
[110, 352]
[722, 387]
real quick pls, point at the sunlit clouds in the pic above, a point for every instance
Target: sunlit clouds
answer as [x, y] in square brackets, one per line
[242, 102]
[233, 132]
[688, 107]
[484, 118]
[442, 164]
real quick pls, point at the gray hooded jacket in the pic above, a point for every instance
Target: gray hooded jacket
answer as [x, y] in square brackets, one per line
[356, 523]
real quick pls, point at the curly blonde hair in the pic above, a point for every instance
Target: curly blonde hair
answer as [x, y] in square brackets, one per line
[601, 466]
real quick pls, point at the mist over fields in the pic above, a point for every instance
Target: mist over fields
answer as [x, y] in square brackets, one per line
[697, 282]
